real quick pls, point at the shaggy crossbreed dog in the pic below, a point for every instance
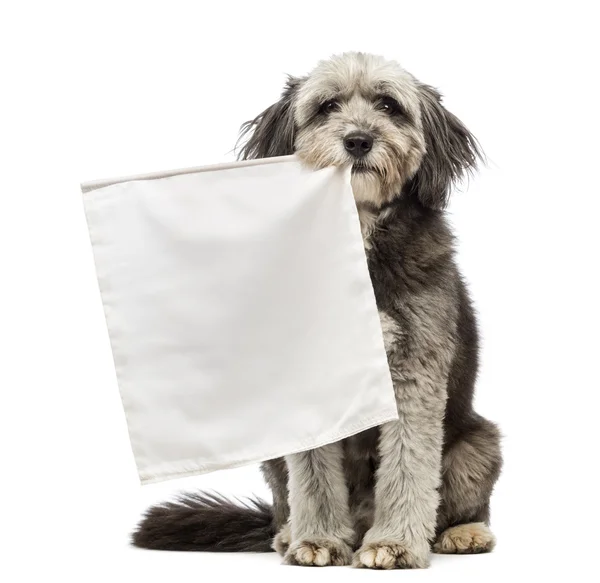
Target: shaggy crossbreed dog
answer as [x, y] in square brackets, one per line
[386, 497]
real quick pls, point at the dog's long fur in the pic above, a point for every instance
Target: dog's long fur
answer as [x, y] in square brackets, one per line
[385, 497]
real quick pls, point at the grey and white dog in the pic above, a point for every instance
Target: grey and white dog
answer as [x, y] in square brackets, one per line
[387, 497]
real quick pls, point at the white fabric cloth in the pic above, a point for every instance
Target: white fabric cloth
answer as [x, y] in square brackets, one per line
[240, 311]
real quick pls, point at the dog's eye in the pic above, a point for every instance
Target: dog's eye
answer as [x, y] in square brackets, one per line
[330, 106]
[389, 105]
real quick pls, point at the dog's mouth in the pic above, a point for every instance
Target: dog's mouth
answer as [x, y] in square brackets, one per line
[362, 168]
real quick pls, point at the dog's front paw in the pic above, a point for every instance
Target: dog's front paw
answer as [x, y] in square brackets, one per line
[319, 553]
[391, 555]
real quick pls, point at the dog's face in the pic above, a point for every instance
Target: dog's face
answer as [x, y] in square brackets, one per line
[361, 110]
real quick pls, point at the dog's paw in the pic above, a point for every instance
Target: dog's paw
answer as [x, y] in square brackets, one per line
[465, 539]
[319, 553]
[282, 540]
[390, 555]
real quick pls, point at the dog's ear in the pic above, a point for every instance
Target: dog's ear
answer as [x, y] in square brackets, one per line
[272, 132]
[451, 152]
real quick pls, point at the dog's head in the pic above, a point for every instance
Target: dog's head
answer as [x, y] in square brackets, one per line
[362, 110]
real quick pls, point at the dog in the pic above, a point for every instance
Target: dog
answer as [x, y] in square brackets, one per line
[389, 496]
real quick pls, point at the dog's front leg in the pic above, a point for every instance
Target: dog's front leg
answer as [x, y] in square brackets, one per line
[406, 495]
[319, 514]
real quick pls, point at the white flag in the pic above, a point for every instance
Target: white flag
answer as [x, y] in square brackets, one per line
[240, 311]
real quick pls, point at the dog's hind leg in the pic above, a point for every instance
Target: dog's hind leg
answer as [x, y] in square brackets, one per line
[275, 473]
[470, 467]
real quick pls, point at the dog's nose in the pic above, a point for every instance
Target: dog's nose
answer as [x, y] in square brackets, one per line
[358, 144]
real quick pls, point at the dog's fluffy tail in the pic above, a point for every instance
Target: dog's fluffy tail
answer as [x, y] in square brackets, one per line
[206, 522]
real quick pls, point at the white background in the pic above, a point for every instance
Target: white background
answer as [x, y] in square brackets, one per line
[101, 89]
